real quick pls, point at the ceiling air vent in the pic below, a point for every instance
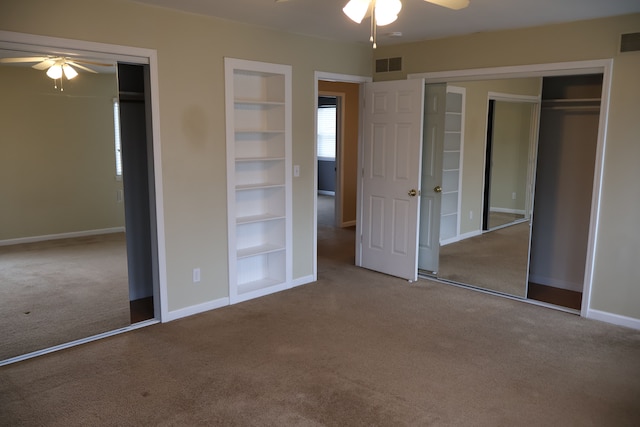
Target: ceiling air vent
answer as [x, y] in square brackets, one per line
[630, 42]
[384, 65]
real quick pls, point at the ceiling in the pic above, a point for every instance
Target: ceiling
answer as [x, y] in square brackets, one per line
[418, 20]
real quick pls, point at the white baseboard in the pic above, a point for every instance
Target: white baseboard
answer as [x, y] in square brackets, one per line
[70, 235]
[507, 210]
[461, 237]
[556, 283]
[196, 309]
[615, 319]
[302, 281]
[326, 193]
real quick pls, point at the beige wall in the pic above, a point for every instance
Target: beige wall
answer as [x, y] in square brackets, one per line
[510, 154]
[190, 50]
[616, 280]
[349, 148]
[57, 168]
[475, 134]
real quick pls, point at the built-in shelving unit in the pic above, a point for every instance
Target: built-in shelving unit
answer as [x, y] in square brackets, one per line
[258, 120]
[452, 164]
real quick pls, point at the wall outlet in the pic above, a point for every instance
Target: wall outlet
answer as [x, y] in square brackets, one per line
[470, 214]
[196, 275]
[296, 170]
[513, 195]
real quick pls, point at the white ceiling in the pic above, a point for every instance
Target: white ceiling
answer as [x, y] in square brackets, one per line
[418, 20]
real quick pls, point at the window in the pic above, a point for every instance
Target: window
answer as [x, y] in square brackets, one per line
[117, 142]
[327, 132]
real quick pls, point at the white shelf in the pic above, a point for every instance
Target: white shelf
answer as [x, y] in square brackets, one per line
[258, 104]
[258, 159]
[259, 131]
[259, 186]
[257, 218]
[258, 250]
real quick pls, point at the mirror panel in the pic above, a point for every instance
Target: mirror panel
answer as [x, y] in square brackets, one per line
[63, 262]
[491, 250]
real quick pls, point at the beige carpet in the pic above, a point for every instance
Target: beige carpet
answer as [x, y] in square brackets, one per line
[62, 290]
[356, 348]
[496, 260]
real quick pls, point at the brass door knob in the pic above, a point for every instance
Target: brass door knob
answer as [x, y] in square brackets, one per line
[437, 189]
[412, 193]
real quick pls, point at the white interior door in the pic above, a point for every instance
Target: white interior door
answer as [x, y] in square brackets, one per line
[431, 197]
[393, 114]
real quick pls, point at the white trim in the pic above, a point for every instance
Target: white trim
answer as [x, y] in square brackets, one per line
[614, 319]
[73, 47]
[334, 77]
[77, 342]
[304, 280]
[70, 235]
[598, 172]
[531, 70]
[349, 223]
[326, 193]
[509, 97]
[461, 237]
[507, 210]
[196, 309]
[136, 55]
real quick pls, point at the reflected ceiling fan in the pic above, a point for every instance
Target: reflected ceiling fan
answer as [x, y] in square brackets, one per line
[57, 66]
[384, 12]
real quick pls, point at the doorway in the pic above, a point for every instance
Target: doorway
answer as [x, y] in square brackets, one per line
[335, 216]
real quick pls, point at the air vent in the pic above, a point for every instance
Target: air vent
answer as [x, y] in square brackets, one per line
[395, 64]
[630, 42]
[384, 65]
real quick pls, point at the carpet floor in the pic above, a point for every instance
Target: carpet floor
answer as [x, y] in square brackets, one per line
[355, 348]
[497, 260]
[58, 291]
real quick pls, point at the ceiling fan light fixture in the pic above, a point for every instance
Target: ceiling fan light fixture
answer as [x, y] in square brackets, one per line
[55, 71]
[387, 11]
[356, 10]
[69, 71]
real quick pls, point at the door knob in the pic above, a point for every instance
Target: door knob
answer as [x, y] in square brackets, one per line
[412, 193]
[437, 189]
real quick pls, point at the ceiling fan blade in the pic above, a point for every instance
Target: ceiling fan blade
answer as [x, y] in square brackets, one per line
[82, 67]
[25, 59]
[450, 4]
[84, 61]
[44, 64]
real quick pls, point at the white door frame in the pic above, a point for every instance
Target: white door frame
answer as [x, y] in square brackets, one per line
[134, 55]
[603, 66]
[333, 77]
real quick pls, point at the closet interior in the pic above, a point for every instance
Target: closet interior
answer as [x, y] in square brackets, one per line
[568, 135]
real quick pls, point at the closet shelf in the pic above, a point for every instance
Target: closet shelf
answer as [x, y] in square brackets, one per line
[259, 250]
[258, 218]
[259, 131]
[259, 186]
[257, 102]
[258, 159]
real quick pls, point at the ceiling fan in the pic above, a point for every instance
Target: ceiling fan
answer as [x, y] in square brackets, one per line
[384, 12]
[57, 66]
